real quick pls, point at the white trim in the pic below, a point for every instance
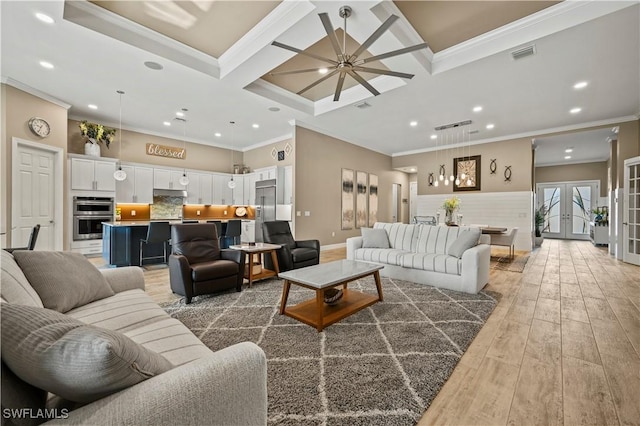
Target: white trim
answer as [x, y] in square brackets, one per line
[333, 246]
[269, 142]
[58, 185]
[569, 163]
[278, 94]
[35, 92]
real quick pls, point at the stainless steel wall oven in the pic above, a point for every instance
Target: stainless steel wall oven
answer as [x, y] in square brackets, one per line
[88, 215]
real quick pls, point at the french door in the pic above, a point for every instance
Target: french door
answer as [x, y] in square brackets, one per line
[568, 208]
[631, 216]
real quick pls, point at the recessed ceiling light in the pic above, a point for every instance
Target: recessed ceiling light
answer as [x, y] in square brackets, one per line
[153, 65]
[92, 106]
[575, 110]
[217, 134]
[47, 65]
[166, 123]
[434, 136]
[490, 126]
[413, 124]
[580, 85]
[255, 126]
[45, 18]
[412, 169]
[477, 108]
[274, 109]
[323, 70]
[568, 150]
[179, 114]
[567, 157]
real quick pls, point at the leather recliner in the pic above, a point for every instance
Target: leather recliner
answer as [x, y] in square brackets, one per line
[198, 266]
[292, 254]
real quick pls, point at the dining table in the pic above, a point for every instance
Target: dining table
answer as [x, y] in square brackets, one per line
[493, 230]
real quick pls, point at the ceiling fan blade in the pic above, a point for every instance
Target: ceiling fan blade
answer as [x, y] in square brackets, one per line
[392, 53]
[385, 72]
[373, 37]
[315, 83]
[331, 33]
[296, 71]
[336, 97]
[363, 82]
[302, 52]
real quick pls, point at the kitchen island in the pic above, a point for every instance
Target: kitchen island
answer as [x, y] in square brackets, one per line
[121, 241]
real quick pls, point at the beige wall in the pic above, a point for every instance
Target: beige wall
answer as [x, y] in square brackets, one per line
[575, 172]
[261, 157]
[17, 108]
[515, 153]
[199, 157]
[628, 147]
[319, 160]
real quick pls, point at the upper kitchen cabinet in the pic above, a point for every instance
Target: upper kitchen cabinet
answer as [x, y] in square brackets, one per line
[238, 190]
[92, 175]
[167, 179]
[266, 173]
[137, 187]
[200, 188]
[222, 194]
[250, 180]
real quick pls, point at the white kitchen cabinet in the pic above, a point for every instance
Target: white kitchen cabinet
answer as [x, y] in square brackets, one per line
[137, 187]
[222, 194]
[167, 179]
[200, 188]
[238, 191]
[248, 231]
[250, 180]
[267, 173]
[284, 192]
[92, 175]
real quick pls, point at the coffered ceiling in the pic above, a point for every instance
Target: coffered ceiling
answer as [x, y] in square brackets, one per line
[216, 59]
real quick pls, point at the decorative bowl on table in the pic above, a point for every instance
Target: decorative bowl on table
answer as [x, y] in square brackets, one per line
[332, 296]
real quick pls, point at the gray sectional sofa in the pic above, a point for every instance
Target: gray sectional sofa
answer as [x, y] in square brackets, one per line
[196, 386]
[433, 255]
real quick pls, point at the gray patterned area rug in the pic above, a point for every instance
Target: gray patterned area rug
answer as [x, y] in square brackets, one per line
[381, 366]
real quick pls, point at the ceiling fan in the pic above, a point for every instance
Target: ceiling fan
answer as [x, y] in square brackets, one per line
[346, 64]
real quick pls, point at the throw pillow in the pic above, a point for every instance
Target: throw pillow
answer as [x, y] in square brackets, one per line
[63, 280]
[374, 238]
[77, 361]
[465, 240]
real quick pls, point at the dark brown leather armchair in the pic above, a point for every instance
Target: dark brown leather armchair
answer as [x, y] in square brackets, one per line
[293, 254]
[198, 266]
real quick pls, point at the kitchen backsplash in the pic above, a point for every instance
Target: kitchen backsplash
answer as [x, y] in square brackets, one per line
[166, 207]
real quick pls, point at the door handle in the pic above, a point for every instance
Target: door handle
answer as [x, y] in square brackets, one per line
[51, 222]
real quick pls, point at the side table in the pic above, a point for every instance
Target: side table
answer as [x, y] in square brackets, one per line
[259, 249]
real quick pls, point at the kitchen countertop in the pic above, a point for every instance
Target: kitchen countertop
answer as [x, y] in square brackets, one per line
[171, 222]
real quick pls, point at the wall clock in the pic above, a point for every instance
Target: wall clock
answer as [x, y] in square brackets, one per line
[39, 127]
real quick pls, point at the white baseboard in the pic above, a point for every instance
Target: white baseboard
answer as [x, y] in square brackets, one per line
[333, 246]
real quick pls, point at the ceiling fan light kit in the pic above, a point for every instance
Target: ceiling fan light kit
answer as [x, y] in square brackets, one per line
[349, 64]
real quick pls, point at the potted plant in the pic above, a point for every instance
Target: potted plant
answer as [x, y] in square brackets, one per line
[541, 212]
[450, 205]
[96, 134]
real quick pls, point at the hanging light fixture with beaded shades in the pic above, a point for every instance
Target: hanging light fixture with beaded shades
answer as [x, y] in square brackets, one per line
[120, 174]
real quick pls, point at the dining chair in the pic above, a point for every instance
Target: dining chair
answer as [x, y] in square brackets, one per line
[158, 232]
[33, 237]
[506, 239]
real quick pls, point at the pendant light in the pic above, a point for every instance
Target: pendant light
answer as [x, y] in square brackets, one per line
[436, 183]
[120, 174]
[232, 183]
[184, 180]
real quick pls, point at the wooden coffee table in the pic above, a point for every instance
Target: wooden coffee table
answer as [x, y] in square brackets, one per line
[321, 277]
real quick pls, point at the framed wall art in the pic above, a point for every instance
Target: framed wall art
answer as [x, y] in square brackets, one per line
[361, 199]
[348, 216]
[373, 199]
[470, 168]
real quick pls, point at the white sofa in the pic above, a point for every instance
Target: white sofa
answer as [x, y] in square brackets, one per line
[418, 253]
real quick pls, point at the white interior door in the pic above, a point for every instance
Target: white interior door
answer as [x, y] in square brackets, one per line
[569, 206]
[396, 202]
[413, 196]
[631, 216]
[33, 198]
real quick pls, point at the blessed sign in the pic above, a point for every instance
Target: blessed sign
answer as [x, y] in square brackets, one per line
[166, 151]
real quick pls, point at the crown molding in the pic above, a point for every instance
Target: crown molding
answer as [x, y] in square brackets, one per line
[35, 92]
[277, 139]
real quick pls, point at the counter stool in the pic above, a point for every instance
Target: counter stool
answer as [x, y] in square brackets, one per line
[218, 224]
[158, 232]
[232, 233]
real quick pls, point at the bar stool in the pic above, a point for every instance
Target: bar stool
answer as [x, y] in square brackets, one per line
[32, 241]
[158, 232]
[218, 224]
[232, 233]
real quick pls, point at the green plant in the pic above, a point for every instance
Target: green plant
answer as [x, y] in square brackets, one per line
[451, 204]
[541, 212]
[97, 133]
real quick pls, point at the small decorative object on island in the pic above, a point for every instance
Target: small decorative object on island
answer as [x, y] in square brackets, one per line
[450, 205]
[95, 134]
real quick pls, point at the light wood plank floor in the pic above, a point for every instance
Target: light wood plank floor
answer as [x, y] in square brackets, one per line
[561, 347]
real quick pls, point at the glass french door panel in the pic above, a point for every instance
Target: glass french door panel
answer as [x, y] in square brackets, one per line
[551, 200]
[581, 208]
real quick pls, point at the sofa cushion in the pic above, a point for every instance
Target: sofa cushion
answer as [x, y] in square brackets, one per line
[15, 286]
[465, 240]
[79, 362]
[388, 256]
[432, 262]
[401, 236]
[374, 238]
[63, 280]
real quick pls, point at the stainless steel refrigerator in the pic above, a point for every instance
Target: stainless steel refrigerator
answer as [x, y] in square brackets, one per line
[265, 205]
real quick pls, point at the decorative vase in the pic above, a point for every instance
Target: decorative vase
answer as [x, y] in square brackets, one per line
[92, 148]
[448, 218]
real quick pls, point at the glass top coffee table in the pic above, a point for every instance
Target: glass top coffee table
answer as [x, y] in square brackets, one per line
[315, 311]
